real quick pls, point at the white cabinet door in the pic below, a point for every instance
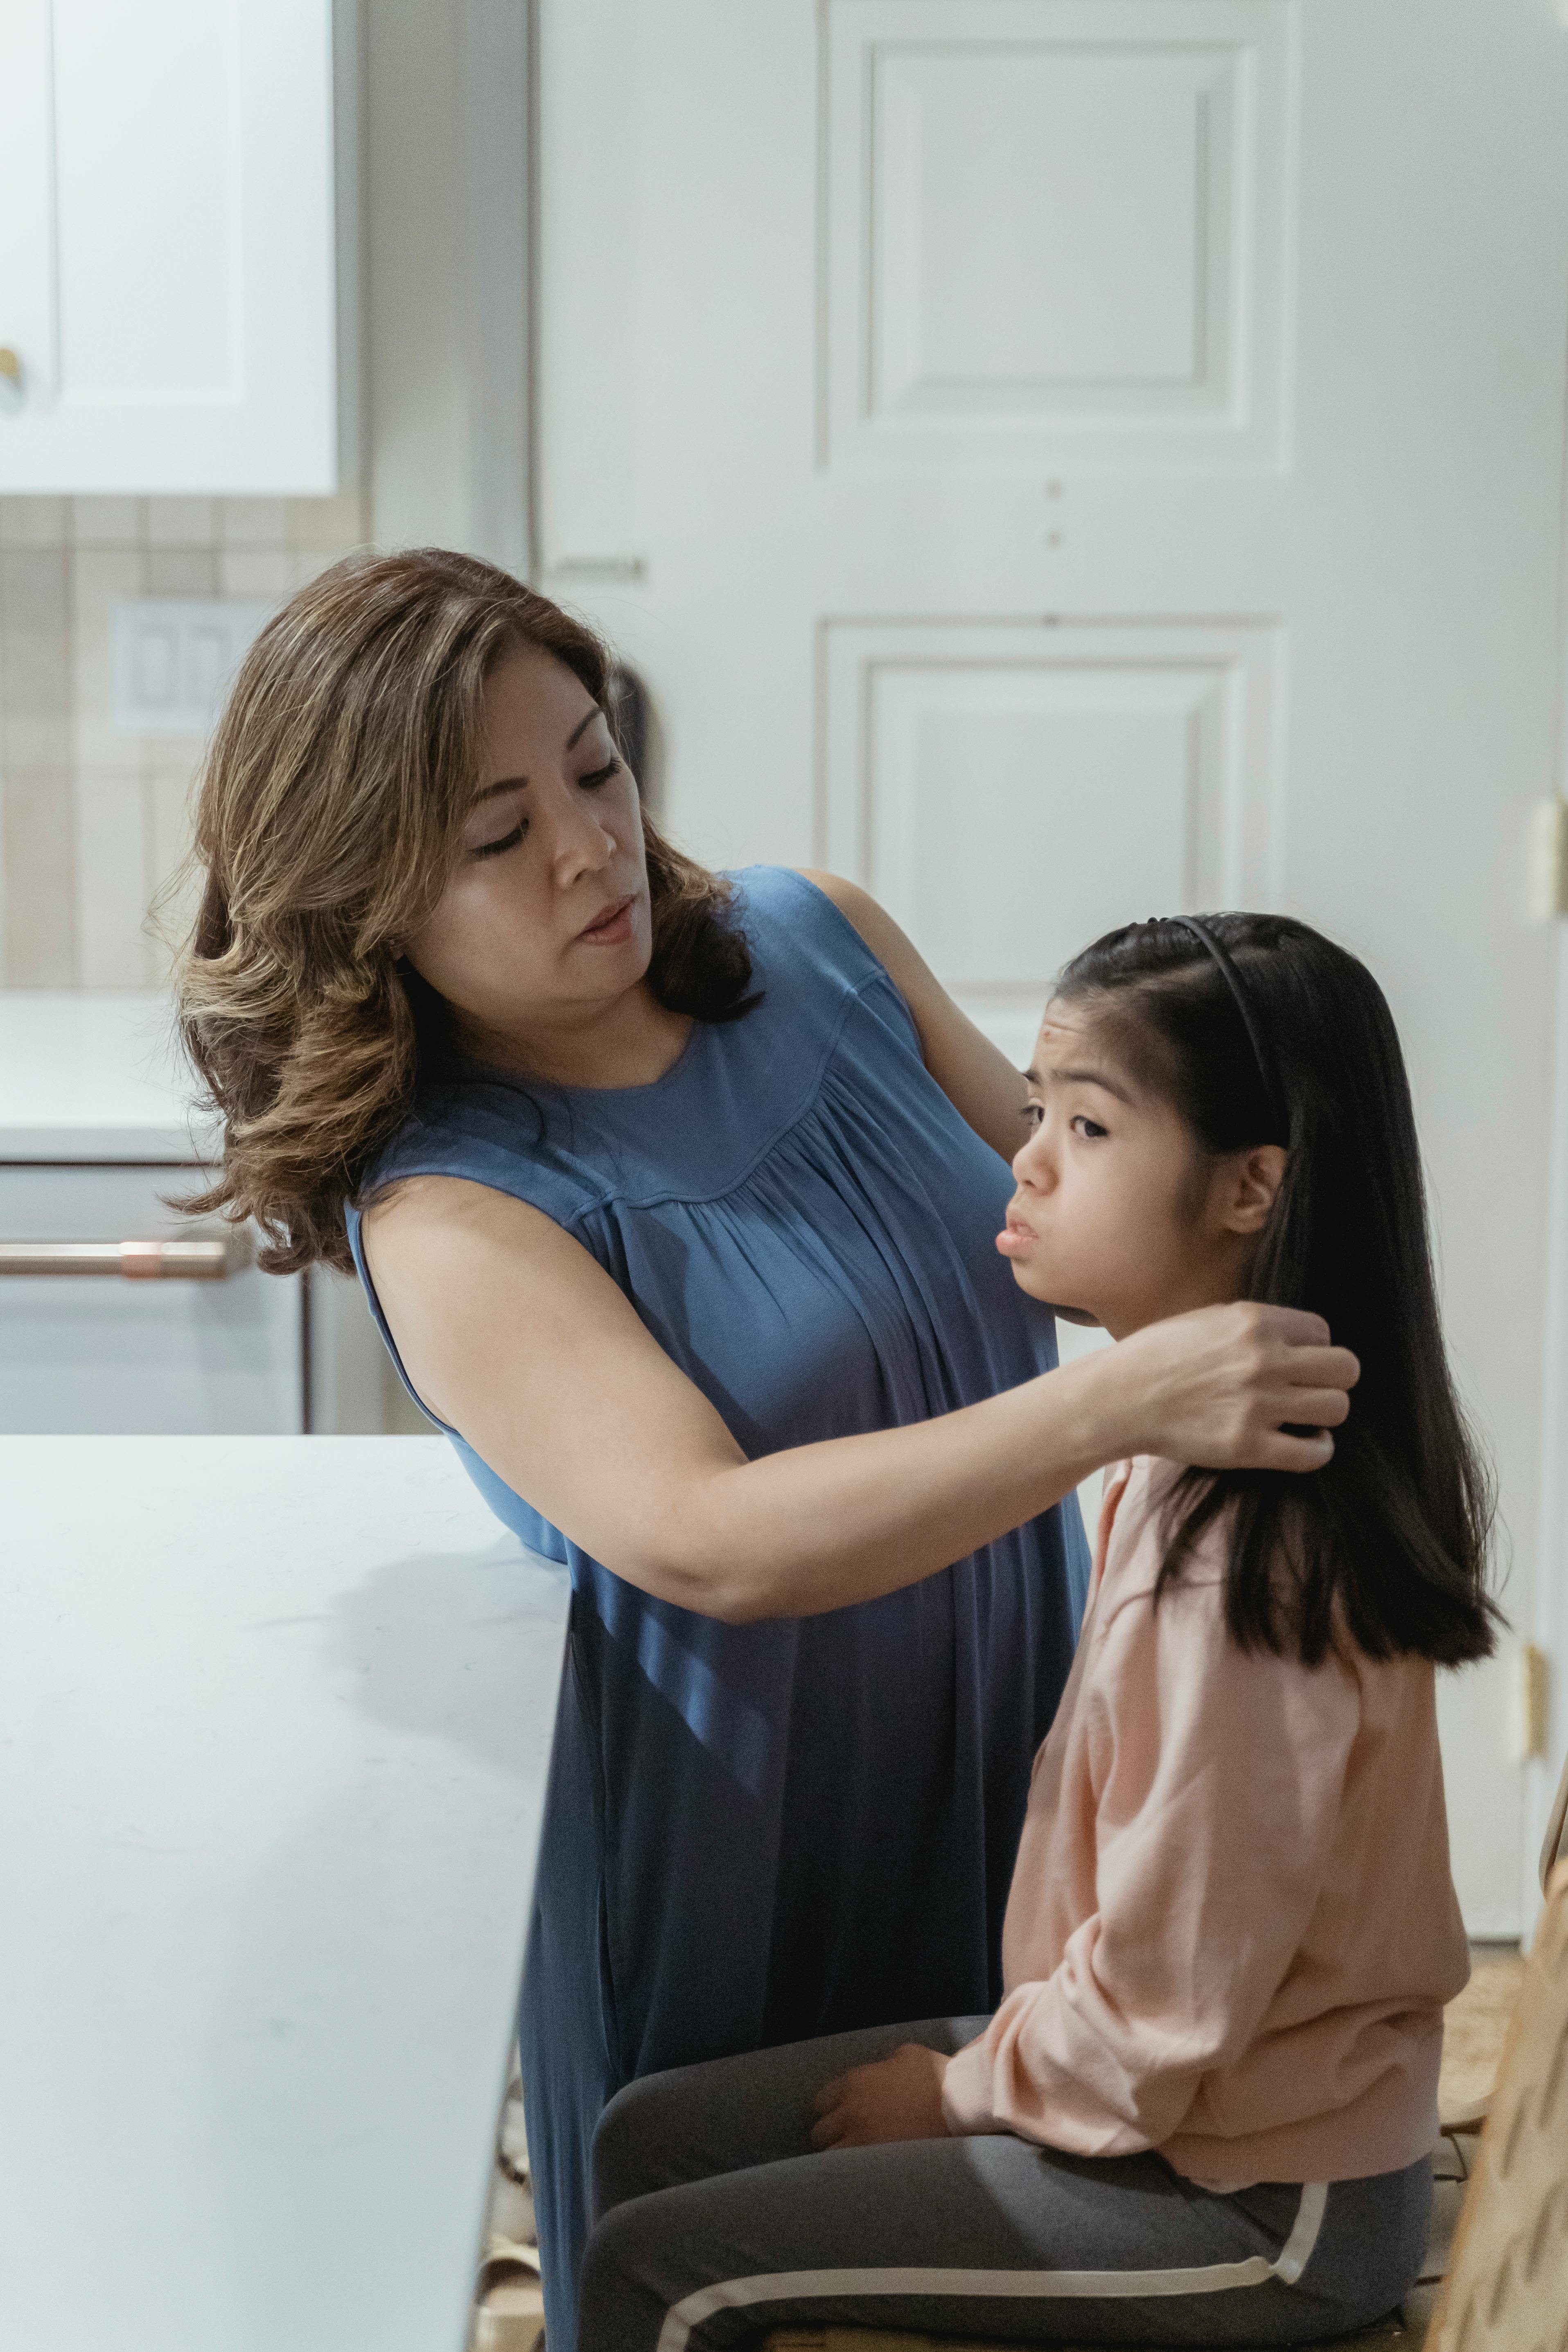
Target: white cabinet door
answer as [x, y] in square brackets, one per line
[1064, 461]
[167, 278]
[99, 1355]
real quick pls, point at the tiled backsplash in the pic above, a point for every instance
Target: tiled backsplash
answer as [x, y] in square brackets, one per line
[92, 821]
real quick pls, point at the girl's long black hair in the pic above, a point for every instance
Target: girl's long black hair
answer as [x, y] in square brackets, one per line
[1389, 1540]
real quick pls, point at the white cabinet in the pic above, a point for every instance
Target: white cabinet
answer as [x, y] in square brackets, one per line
[102, 1329]
[169, 277]
[206, 1345]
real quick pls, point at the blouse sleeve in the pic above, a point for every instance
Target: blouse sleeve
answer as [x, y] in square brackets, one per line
[1216, 1778]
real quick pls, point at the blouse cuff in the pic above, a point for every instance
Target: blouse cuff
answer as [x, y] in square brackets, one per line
[966, 2091]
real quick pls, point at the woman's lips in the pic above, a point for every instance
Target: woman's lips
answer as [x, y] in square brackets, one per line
[608, 930]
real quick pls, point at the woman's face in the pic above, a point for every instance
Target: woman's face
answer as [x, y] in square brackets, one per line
[544, 919]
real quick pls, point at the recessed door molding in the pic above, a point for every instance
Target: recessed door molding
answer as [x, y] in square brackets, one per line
[1055, 232]
[1009, 788]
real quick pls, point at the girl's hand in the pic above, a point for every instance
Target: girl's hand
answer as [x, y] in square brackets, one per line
[1224, 1386]
[897, 2098]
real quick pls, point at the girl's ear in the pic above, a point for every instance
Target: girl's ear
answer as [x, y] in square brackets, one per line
[1246, 1201]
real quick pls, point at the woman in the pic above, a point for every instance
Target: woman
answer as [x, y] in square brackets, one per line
[675, 1198]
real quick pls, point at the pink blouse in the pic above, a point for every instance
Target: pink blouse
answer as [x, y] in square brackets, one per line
[1232, 1929]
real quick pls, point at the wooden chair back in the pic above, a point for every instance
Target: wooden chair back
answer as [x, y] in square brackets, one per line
[1507, 2288]
[1554, 1847]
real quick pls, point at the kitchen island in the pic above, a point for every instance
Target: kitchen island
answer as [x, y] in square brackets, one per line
[275, 1714]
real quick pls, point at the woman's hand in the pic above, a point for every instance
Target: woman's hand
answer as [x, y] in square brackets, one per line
[1224, 1387]
[897, 2098]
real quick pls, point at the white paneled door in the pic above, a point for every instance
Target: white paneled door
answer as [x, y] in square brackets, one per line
[1062, 460]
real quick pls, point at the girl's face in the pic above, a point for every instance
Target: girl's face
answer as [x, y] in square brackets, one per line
[544, 919]
[1120, 1216]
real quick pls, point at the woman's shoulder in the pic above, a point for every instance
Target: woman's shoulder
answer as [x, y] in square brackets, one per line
[815, 958]
[692, 1133]
[804, 923]
[488, 1130]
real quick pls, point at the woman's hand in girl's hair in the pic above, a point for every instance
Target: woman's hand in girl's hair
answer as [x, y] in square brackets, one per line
[897, 2098]
[1240, 1386]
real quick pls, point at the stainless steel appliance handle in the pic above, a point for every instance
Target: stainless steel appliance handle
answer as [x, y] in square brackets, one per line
[152, 1261]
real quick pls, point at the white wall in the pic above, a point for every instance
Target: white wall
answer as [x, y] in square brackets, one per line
[446, 273]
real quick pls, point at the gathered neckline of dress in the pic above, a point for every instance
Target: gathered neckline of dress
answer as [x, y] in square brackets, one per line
[466, 1067]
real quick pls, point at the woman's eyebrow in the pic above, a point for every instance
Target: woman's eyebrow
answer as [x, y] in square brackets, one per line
[517, 784]
[583, 724]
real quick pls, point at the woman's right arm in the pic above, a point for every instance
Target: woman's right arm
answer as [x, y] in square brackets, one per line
[514, 1335]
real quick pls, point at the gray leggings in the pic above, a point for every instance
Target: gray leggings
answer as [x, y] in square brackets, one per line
[716, 2221]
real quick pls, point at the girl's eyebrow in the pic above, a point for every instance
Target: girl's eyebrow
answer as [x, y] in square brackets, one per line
[1082, 1078]
[517, 784]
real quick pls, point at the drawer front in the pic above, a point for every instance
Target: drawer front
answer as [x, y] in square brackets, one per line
[196, 1352]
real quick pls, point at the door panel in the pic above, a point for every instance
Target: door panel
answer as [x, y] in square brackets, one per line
[1052, 227]
[1007, 789]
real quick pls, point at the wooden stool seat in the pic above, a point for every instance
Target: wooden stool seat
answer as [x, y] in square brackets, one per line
[1502, 2260]
[1403, 2333]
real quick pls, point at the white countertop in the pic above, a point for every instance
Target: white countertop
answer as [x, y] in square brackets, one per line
[93, 1075]
[274, 1721]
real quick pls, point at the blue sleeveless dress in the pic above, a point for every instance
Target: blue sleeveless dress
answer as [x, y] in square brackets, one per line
[754, 1833]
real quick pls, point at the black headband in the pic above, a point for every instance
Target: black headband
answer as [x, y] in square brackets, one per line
[1267, 1070]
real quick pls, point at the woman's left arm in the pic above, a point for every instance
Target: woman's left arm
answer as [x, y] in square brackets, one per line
[979, 1081]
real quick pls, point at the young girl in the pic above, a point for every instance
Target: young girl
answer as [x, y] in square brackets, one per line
[1204, 2112]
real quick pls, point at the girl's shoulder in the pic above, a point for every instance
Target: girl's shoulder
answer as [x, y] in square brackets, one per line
[1134, 1538]
[1131, 1548]
[1188, 1615]
[1163, 1655]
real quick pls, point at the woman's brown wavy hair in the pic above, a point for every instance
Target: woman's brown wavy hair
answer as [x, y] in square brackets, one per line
[332, 803]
